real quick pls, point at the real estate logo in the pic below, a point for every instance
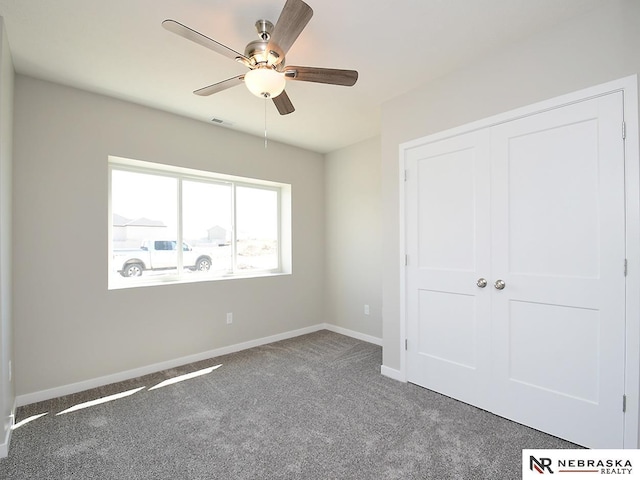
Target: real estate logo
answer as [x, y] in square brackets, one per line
[580, 463]
[540, 465]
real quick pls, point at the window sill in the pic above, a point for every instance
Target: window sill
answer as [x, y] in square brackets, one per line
[123, 284]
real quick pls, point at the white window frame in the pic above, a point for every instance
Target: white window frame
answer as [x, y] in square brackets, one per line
[181, 174]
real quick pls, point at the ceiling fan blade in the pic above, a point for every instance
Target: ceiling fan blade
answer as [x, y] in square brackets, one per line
[200, 39]
[294, 17]
[220, 86]
[283, 104]
[331, 76]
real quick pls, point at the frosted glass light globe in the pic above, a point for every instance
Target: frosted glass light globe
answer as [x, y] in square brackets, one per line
[265, 82]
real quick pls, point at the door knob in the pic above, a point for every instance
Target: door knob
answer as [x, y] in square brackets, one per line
[500, 284]
[481, 283]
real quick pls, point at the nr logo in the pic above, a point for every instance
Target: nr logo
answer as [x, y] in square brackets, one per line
[540, 465]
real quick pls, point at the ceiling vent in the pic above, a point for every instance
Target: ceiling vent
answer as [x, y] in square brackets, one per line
[219, 121]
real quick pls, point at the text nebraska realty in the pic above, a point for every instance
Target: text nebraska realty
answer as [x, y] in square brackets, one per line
[606, 467]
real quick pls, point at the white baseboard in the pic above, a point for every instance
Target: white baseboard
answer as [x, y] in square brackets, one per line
[351, 333]
[4, 447]
[56, 392]
[392, 373]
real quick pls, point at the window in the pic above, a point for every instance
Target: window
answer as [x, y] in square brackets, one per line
[227, 226]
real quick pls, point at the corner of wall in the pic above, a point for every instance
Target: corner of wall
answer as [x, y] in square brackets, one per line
[7, 393]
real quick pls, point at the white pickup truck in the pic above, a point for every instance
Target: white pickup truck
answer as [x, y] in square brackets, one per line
[158, 255]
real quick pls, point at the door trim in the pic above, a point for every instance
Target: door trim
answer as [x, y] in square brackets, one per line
[629, 87]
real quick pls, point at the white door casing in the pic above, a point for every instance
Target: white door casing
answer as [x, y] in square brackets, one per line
[549, 349]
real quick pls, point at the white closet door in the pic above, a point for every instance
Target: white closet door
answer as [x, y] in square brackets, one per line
[558, 231]
[538, 204]
[448, 245]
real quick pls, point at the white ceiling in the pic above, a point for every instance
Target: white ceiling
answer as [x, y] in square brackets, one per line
[118, 48]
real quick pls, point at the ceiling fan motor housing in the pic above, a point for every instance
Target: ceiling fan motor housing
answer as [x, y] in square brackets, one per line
[257, 50]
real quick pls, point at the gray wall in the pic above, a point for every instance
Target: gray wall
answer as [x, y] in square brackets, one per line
[352, 192]
[7, 395]
[68, 327]
[592, 49]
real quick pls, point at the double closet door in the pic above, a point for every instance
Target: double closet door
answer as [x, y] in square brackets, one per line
[515, 278]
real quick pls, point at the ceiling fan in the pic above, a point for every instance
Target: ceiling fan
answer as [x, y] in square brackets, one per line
[265, 57]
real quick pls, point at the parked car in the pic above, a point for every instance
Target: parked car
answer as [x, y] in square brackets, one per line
[159, 255]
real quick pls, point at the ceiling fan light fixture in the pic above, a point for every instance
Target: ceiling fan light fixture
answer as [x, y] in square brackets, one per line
[265, 82]
[265, 58]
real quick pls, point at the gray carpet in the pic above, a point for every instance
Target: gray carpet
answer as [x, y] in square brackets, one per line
[313, 407]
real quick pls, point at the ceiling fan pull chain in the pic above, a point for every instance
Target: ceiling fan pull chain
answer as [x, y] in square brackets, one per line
[265, 122]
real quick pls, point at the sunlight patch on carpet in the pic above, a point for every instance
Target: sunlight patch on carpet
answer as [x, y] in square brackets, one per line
[27, 420]
[186, 376]
[99, 401]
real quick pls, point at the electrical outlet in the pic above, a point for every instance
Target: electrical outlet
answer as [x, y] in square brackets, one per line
[229, 318]
[366, 309]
